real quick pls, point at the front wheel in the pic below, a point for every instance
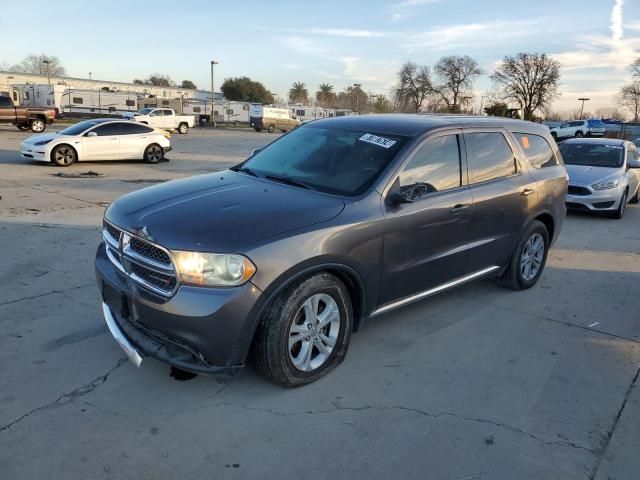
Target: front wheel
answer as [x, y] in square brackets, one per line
[63, 155]
[528, 260]
[619, 213]
[183, 128]
[37, 125]
[153, 153]
[306, 331]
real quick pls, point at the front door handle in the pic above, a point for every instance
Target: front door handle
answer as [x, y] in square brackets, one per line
[114, 138]
[527, 191]
[459, 207]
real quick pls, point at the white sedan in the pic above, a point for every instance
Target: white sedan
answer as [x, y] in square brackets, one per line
[99, 139]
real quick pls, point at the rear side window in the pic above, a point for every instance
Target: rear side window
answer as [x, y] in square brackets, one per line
[537, 150]
[434, 167]
[133, 128]
[167, 113]
[489, 156]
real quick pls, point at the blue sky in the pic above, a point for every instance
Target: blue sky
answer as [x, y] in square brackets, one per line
[338, 42]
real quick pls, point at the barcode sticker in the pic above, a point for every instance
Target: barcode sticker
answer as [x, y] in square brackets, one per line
[376, 140]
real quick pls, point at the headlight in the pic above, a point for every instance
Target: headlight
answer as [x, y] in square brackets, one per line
[42, 142]
[213, 269]
[605, 185]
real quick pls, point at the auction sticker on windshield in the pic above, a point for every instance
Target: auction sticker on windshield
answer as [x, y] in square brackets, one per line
[380, 141]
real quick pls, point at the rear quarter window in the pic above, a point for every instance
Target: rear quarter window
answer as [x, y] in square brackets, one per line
[537, 150]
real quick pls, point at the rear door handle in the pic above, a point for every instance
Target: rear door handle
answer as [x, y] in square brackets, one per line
[459, 207]
[527, 191]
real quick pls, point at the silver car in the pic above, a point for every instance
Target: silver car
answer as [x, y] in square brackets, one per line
[604, 174]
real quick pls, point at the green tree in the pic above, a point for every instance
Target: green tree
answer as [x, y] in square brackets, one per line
[137, 81]
[159, 80]
[188, 84]
[496, 109]
[298, 93]
[380, 104]
[243, 89]
[40, 65]
[325, 96]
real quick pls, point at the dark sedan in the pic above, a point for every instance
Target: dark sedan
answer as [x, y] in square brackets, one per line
[340, 220]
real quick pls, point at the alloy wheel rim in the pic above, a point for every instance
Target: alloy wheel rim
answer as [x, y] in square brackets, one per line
[38, 125]
[532, 256]
[155, 154]
[64, 156]
[314, 332]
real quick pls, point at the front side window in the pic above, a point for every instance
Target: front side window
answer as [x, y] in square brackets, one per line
[537, 150]
[146, 111]
[489, 156]
[156, 113]
[332, 160]
[592, 154]
[110, 129]
[433, 168]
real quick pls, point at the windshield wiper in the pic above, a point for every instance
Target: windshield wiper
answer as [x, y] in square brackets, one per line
[290, 181]
[246, 170]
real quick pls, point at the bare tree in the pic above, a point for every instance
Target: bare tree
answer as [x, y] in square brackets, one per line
[414, 85]
[455, 75]
[635, 67]
[629, 98]
[609, 112]
[531, 79]
[40, 65]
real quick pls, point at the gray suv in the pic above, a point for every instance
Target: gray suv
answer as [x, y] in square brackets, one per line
[343, 219]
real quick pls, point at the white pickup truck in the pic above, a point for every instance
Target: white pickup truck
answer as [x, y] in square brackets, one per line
[164, 118]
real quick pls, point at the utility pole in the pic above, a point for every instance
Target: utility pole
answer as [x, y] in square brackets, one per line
[356, 87]
[213, 96]
[47, 63]
[582, 107]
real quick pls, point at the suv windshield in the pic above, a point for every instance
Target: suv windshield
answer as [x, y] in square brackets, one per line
[331, 160]
[145, 111]
[78, 128]
[595, 155]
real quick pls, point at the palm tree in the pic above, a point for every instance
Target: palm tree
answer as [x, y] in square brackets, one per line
[325, 95]
[298, 93]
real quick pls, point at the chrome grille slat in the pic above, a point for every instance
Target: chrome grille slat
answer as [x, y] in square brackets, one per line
[144, 262]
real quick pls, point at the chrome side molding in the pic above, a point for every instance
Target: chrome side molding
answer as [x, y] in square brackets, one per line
[433, 291]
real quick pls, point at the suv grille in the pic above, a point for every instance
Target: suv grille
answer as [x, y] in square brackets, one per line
[146, 263]
[572, 190]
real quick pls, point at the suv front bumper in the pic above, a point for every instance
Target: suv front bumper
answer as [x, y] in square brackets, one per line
[202, 330]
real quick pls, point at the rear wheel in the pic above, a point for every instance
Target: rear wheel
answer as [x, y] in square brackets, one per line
[271, 129]
[153, 153]
[183, 128]
[579, 134]
[37, 125]
[528, 260]
[63, 155]
[619, 213]
[306, 331]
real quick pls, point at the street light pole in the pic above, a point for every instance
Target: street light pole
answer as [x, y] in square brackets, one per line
[582, 107]
[47, 63]
[213, 96]
[356, 86]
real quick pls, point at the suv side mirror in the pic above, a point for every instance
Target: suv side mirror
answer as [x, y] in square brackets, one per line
[395, 197]
[92, 134]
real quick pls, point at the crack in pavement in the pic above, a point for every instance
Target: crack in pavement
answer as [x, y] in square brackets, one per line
[562, 443]
[614, 426]
[60, 292]
[70, 396]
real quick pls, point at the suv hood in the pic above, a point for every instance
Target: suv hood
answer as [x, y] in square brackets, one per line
[587, 175]
[219, 212]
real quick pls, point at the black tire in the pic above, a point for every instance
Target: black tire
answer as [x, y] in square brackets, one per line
[271, 129]
[513, 276]
[636, 197]
[64, 155]
[271, 349]
[619, 213]
[183, 128]
[23, 128]
[579, 134]
[37, 125]
[154, 153]
[257, 129]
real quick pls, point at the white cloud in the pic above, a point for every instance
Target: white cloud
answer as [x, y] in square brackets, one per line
[616, 21]
[346, 32]
[412, 3]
